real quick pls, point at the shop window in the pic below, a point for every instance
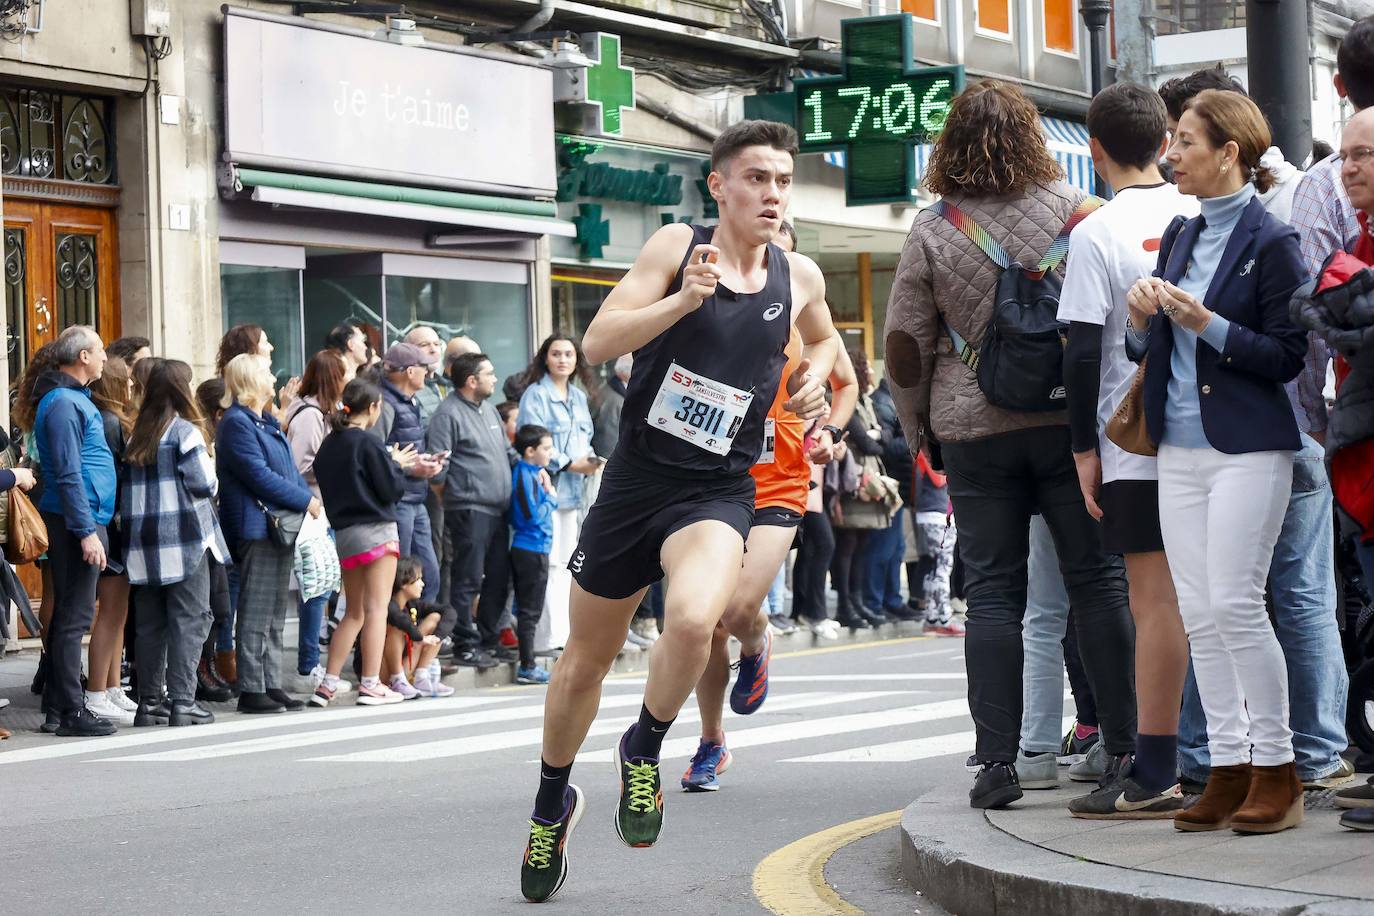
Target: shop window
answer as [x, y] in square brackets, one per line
[50, 135]
[271, 298]
[494, 314]
[331, 300]
[929, 10]
[1061, 26]
[993, 17]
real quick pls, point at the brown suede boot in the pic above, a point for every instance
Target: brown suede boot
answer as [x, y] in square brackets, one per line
[1226, 791]
[1274, 802]
[226, 666]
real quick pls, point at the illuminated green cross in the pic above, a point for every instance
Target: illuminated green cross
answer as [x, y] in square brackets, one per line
[610, 86]
[878, 110]
[593, 232]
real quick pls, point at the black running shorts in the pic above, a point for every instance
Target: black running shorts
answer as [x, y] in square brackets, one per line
[636, 511]
[777, 516]
[1130, 516]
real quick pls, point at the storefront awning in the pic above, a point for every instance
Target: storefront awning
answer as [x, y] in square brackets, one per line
[1067, 142]
[477, 211]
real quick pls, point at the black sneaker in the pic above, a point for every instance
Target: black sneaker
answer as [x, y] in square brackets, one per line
[545, 866]
[51, 723]
[1361, 819]
[1356, 796]
[85, 724]
[473, 658]
[995, 786]
[507, 654]
[1125, 800]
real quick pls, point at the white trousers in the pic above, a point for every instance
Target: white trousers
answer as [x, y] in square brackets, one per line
[552, 632]
[1220, 515]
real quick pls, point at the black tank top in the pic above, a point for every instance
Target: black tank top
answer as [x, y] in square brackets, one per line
[685, 401]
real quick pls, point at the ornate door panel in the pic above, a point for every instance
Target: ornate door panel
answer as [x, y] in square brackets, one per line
[61, 264]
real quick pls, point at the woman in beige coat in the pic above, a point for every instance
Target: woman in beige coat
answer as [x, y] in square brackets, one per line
[1003, 465]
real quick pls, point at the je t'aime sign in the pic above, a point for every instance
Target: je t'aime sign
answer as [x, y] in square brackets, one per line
[338, 102]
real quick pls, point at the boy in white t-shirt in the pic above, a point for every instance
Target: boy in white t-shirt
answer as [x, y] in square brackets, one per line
[1108, 252]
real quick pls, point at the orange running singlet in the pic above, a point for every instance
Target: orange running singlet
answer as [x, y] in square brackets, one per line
[782, 474]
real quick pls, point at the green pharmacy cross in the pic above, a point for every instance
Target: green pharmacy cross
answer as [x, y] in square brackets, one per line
[878, 110]
[610, 86]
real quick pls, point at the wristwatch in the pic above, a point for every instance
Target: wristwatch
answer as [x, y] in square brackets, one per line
[835, 432]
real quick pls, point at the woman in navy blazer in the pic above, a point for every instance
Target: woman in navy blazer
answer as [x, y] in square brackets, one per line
[1219, 345]
[257, 473]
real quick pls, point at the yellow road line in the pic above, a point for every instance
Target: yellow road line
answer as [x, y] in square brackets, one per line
[791, 881]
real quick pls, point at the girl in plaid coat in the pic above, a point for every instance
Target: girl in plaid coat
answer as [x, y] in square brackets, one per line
[172, 533]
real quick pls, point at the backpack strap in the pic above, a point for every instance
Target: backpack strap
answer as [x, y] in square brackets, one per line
[1059, 248]
[975, 233]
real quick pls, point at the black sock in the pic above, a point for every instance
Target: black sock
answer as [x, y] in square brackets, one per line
[550, 803]
[647, 738]
[1156, 761]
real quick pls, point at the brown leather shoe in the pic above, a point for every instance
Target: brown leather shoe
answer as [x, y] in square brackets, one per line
[227, 667]
[1227, 788]
[1274, 802]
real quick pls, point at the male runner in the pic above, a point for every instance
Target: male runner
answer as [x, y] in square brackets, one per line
[708, 314]
[782, 478]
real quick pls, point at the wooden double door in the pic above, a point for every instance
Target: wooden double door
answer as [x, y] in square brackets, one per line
[61, 269]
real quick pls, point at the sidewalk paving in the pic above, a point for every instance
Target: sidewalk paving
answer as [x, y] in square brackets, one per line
[1035, 858]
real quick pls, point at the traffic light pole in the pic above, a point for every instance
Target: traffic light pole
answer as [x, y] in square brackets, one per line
[1280, 77]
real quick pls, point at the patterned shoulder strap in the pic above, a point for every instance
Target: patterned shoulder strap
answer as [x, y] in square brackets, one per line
[975, 233]
[1059, 248]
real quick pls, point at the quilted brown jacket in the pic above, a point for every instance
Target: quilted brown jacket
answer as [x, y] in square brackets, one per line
[944, 277]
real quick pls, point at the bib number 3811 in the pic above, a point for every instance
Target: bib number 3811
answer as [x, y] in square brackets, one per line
[699, 410]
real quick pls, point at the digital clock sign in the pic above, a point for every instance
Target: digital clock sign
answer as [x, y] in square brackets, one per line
[877, 110]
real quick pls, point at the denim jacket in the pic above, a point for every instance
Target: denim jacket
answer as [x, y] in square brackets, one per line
[570, 423]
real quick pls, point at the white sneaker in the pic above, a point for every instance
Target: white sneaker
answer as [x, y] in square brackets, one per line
[639, 640]
[99, 703]
[316, 677]
[121, 699]
[825, 629]
[630, 646]
[646, 627]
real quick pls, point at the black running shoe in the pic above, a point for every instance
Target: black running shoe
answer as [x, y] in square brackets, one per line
[1125, 800]
[995, 786]
[545, 866]
[639, 816]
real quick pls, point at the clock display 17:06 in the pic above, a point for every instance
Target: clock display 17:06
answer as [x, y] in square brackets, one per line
[904, 110]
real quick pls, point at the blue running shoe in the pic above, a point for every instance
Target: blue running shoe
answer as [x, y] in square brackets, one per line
[751, 686]
[708, 762]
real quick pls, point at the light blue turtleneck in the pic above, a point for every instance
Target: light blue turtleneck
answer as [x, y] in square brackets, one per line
[1182, 411]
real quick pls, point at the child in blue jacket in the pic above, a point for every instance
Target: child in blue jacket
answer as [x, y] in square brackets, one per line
[531, 518]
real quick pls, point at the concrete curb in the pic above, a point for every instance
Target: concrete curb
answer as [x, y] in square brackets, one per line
[503, 675]
[964, 864]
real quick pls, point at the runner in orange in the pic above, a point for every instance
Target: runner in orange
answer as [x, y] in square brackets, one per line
[782, 477]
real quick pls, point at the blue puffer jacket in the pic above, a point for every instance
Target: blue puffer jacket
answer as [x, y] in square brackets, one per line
[78, 467]
[254, 464]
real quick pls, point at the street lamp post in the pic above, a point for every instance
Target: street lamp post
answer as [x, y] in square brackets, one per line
[1276, 34]
[1095, 15]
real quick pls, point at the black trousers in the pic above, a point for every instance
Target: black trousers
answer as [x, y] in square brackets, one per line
[1083, 700]
[996, 484]
[481, 568]
[808, 574]
[847, 568]
[530, 572]
[73, 612]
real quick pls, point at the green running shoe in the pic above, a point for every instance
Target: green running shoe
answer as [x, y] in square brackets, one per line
[639, 816]
[546, 854]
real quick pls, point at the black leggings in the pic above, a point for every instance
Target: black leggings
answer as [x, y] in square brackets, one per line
[813, 559]
[851, 545]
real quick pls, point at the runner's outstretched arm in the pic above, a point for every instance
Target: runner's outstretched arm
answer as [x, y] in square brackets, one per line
[636, 311]
[844, 387]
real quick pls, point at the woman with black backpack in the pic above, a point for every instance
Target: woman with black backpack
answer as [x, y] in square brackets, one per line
[985, 381]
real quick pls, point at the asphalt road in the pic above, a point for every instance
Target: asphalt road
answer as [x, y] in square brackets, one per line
[421, 807]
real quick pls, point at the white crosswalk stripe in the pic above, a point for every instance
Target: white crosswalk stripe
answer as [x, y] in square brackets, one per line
[477, 744]
[429, 730]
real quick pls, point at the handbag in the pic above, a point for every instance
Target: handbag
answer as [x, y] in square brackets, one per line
[316, 562]
[28, 536]
[1126, 429]
[283, 525]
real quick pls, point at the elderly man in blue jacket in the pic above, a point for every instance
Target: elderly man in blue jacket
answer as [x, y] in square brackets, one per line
[78, 502]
